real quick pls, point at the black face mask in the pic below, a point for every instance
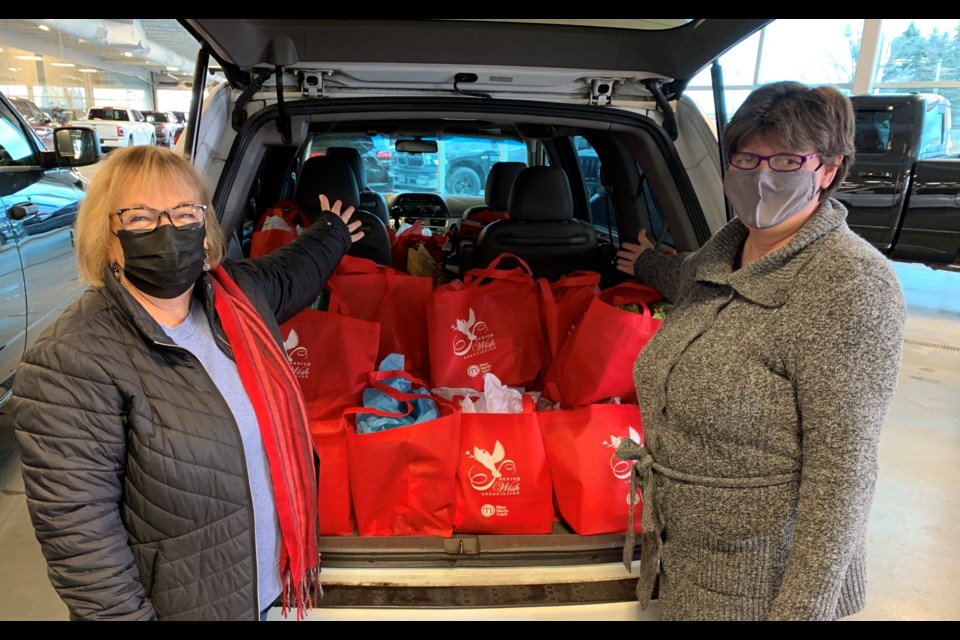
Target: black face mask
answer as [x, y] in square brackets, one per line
[165, 262]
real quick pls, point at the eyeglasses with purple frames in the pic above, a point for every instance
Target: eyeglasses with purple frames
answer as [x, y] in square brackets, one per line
[782, 162]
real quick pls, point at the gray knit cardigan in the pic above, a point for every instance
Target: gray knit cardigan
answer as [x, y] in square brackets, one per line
[785, 367]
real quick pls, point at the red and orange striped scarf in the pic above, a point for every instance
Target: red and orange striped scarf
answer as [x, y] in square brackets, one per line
[281, 414]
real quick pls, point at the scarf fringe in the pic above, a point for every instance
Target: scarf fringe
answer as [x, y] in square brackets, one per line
[305, 594]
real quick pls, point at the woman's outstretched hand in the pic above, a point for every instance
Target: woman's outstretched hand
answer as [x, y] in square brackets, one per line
[345, 215]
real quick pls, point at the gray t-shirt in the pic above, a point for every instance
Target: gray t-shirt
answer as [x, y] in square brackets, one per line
[195, 335]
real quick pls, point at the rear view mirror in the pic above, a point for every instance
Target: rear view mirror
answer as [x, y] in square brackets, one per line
[416, 146]
[76, 146]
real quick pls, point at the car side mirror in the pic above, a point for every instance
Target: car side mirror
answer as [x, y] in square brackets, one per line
[76, 146]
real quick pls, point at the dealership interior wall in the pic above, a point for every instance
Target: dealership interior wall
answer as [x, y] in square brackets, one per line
[66, 66]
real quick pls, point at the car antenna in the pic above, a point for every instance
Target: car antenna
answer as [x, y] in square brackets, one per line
[468, 77]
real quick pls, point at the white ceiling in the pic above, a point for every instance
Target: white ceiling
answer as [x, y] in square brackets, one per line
[154, 44]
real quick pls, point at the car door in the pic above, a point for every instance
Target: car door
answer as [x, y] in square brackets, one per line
[40, 208]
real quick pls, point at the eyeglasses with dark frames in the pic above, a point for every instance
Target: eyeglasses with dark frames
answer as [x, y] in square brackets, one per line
[141, 219]
[782, 162]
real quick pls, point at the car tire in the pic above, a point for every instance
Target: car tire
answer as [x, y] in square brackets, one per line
[464, 181]
[153, 138]
[130, 140]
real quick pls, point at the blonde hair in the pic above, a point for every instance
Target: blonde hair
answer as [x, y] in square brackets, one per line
[121, 169]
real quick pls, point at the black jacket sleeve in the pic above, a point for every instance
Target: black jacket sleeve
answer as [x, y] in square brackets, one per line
[292, 276]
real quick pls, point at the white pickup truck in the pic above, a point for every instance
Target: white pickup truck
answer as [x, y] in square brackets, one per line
[119, 127]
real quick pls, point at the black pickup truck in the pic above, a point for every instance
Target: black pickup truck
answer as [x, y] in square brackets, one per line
[903, 190]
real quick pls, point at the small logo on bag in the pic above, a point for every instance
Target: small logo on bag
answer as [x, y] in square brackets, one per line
[488, 511]
[498, 476]
[297, 355]
[475, 370]
[473, 337]
[621, 468]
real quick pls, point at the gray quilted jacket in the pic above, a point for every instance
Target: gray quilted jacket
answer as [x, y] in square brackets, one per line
[762, 396]
[132, 461]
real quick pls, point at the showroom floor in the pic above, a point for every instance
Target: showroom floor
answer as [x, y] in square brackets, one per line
[914, 558]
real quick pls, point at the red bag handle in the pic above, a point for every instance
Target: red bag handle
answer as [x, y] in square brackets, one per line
[577, 279]
[291, 211]
[376, 378]
[338, 305]
[629, 293]
[375, 381]
[523, 273]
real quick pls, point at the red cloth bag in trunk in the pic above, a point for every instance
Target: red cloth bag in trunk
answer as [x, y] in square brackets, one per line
[596, 361]
[503, 480]
[363, 289]
[263, 241]
[489, 322]
[335, 506]
[403, 480]
[331, 355]
[591, 484]
[563, 303]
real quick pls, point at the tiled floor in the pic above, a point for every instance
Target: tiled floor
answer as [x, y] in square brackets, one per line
[914, 556]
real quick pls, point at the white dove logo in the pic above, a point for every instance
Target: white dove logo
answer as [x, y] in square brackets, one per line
[494, 463]
[469, 328]
[296, 355]
[621, 468]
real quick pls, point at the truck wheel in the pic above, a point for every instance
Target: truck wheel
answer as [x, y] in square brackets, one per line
[464, 181]
[130, 141]
[153, 139]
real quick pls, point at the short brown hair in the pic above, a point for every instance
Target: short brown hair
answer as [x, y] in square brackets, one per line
[800, 116]
[121, 168]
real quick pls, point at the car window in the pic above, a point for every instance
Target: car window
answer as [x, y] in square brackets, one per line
[872, 131]
[98, 113]
[15, 148]
[376, 151]
[602, 209]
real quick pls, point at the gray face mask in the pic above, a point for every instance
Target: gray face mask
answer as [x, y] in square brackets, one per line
[763, 199]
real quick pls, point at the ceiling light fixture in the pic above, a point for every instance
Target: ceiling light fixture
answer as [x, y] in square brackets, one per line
[128, 54]
[13, 68]
[43, 27]
[62, 64]
[28, 57]
[88, 70]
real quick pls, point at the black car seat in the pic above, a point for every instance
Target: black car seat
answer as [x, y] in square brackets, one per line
[335, 179]
[496, 195]
[370, 200]
[541, 229]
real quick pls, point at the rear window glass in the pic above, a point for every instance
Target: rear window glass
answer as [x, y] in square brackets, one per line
[873, 131]
[108, 114]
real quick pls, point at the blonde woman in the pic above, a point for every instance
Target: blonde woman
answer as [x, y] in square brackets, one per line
[168, 468]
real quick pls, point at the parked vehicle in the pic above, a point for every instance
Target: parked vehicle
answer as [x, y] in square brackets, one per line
[166, 126]
[119, 126]
[38, 120]
[40, 192]
[609, 103]
[903, 190]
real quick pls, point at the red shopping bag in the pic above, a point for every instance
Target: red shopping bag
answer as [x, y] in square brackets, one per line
[563, 303]
[331, 355]
[503, 480]
[591, 484]
[403, 480]
[334, 504]
[263, 241]
[363, 289]
[489, 322]
[596, 361]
